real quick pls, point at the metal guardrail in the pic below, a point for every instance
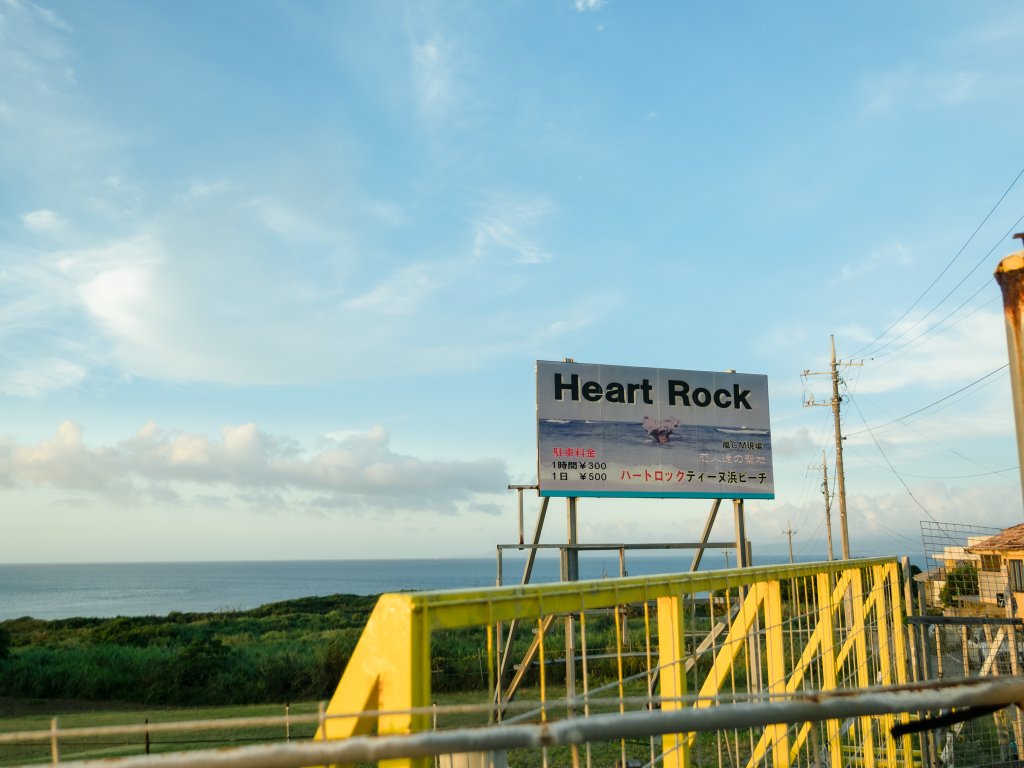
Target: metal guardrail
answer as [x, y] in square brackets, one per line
[963, 698]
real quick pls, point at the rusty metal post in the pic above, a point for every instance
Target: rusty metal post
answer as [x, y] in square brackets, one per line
[1010, 276]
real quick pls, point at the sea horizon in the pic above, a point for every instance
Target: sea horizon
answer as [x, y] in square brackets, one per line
[106, 590]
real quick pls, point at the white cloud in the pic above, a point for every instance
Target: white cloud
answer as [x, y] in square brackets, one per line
[588, 5]
[432, 77]
[400, 293]
[894, 253]
[956, 88]
[798, 442]
[1003, 29]
[48, 16]
[882, 523]
[202, 188]
[387, 213]
[358, 471]
[186, 294]
[958, 354]
[119, 298]
[43, 221]
[500, 232]
[909, 88]
[290, 223]
[41, 376]
[115, 285]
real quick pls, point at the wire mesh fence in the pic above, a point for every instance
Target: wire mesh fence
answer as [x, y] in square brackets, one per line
[965, 629]
[668, 644]
[956, 578]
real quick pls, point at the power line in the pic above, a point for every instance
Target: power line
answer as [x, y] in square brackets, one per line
[886, 529]
[952, 290]
[930, 405]
[944, 477]
[945, 269]
[887, 357]
[930, 439]
[892, 468]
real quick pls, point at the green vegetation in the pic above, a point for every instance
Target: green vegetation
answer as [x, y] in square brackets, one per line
[961, 580]
[234, 664]
[288, 651]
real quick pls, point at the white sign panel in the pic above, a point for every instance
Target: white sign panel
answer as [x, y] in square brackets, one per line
[610, 430]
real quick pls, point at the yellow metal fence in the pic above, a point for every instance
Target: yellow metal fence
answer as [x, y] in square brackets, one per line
[669, 642]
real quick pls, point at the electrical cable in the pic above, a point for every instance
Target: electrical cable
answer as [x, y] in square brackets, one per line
[925, 408]
[888, 358]
[946, 268]
[899, 477]
[952, 290]
[930, 439]
[939, 477]
[891, 467]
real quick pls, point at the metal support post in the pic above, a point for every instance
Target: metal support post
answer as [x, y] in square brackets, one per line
[707, 533]
[741, 534]
[573, 554]
[572, 573]
[1010, 276]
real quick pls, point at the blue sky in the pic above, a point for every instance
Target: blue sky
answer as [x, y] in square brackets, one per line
[274, 276]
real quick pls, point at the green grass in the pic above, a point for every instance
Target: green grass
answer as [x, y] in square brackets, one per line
[76, 715]
[89, 672]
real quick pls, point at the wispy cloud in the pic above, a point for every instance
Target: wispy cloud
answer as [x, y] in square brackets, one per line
[1003, 28]
[960, 353]
[908, 88]
[208, 188]
[41, 377]
[43, 222]
[432, 77]
[588, 5]
[182, 295]
[501, 232]
[400, 293]
[894, 253]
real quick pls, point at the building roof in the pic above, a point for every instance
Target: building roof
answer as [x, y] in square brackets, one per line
[1011, 538]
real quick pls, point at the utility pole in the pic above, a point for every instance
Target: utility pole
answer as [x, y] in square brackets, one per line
[828, 504]
[789, 532]
[840, 475]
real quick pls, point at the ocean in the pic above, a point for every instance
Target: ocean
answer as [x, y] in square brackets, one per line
[157, 589]
[141, 589]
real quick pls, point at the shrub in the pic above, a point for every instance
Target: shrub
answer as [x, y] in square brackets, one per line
[961, 580]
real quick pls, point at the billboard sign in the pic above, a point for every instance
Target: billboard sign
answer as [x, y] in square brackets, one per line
[618, 431]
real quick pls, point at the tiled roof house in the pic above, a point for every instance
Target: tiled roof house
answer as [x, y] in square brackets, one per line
[1002, 568]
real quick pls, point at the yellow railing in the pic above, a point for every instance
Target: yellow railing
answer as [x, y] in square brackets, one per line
[764, 633]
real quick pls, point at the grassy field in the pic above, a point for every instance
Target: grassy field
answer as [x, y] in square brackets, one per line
[127, 670]
[37, 715]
